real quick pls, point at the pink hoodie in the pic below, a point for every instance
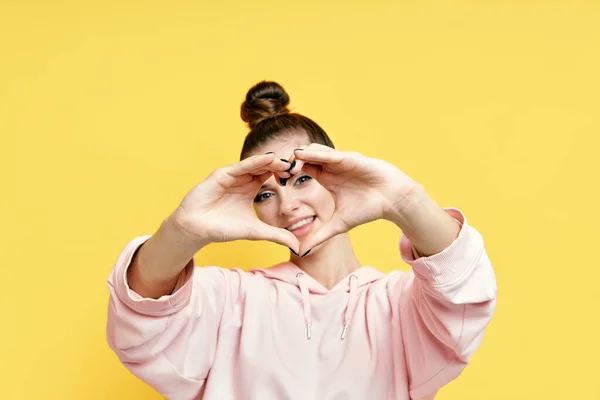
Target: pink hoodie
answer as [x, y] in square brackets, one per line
[276, 333]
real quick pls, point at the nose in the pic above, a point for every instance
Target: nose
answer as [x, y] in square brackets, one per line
[288, 203]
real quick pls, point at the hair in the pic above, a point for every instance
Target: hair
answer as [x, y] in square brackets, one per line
[267, 115]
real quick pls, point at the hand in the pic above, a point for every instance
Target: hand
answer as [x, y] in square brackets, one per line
[364, 189]
[219, 209]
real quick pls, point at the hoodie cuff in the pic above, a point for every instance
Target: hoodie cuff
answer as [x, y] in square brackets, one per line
[165, 305]
[449, 265]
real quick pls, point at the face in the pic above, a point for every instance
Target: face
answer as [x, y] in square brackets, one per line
[302, 204]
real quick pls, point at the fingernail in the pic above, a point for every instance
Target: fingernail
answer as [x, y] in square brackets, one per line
[284, 160]
[271, 152]
[299, 149]
[292, 167]
[293, 251]
[303, 255]
[283, 181]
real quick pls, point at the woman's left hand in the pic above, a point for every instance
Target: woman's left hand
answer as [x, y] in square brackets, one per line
[364, 189]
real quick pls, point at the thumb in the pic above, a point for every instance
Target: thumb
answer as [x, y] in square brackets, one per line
[329, 229]
[277, 235]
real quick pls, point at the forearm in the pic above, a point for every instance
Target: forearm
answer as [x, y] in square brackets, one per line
[428, 227]
[159, 261]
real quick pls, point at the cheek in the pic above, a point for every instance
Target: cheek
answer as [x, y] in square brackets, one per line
[266, 213]
[322, 201]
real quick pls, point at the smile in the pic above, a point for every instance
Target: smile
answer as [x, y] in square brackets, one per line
[300, 224]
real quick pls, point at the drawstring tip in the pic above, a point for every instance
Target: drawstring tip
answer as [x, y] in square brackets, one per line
[344, 332]
[308, 331]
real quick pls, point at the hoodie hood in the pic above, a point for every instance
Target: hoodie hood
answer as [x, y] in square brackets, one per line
[290, 273]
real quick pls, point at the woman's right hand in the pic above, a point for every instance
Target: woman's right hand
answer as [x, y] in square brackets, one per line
[219, 209]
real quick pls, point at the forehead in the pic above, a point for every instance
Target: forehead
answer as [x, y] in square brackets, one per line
[283, 147]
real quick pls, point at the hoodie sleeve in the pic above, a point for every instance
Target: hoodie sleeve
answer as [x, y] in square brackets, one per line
[169, 342]
[445, 304]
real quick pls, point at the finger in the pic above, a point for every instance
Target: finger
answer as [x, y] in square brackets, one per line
[280, 174]
[311, 147]
[295, 166]
[262, 178]
[277, 235]
[329, 229]
[278, 166]
[314, 171]
[286, 166]
[250, 164]
[257, 165]
[284, 174]
[321, 157]
[295, 163]
[265, 175]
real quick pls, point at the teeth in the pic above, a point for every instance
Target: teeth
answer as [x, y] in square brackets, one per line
[300, 224]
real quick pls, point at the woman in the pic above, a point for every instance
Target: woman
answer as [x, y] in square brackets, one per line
[321, 325]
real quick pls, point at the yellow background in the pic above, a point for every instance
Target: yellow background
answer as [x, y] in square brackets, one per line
[111, 111]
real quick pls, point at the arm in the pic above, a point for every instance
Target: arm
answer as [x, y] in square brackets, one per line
[159, 262]
[425, 224]
[169, 342]
[165, 315]
[446, 302]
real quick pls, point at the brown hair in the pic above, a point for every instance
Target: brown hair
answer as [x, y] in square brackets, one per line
[268, 117]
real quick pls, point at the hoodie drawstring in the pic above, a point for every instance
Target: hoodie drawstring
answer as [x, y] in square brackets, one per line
[350, 305]
[305, 303]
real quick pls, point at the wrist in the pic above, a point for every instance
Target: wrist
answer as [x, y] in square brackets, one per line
[178, 226]
[425, 224]
[402, 204]
[158, 263]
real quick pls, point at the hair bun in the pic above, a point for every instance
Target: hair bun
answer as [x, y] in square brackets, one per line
[263, 101]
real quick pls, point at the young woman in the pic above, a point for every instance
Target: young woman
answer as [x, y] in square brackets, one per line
[321, 325]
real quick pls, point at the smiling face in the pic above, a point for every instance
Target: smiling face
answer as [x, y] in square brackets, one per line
[302, 204]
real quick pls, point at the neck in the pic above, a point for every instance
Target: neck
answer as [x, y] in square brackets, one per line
[330, 262]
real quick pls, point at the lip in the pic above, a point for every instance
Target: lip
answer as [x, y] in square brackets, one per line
[293, 221]
[305, 229]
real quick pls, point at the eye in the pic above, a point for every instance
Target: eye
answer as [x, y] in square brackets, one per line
[262, 197]
[302, 179]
